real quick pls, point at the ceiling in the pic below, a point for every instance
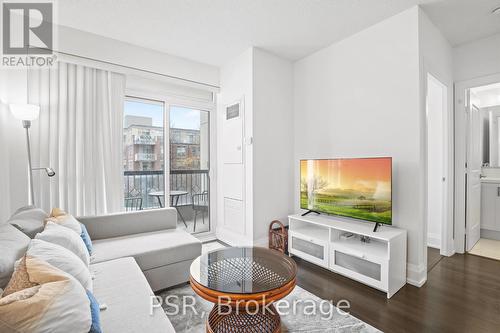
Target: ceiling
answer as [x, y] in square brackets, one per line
[215, 31]
[463, 21]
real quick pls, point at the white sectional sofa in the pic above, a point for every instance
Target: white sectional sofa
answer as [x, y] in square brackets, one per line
[163, 252]
[133, 255]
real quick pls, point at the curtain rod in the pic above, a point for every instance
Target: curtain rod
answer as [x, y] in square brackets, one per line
[131, 67]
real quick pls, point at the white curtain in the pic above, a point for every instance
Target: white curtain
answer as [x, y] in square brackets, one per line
[79, 134]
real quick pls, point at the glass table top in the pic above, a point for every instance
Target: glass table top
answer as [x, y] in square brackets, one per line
[242, 270]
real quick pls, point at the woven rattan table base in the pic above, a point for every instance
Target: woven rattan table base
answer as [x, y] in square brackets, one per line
[243, 322]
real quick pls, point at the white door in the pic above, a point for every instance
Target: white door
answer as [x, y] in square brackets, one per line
[436, 161]
[474, 163]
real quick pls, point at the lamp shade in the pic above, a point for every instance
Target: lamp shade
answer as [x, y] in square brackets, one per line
[25, 111]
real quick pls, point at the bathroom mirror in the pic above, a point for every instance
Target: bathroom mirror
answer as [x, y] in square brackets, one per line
[490, 136]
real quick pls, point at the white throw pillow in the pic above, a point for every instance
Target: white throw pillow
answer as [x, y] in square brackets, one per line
[56, 303]
[29, 220]
[66, 238]
[61, 258]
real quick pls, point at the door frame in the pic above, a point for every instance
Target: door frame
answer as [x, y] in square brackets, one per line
[446, 245]
[461, 142]
[169, 99]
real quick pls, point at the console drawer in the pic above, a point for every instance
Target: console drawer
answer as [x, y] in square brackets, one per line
[308, 248]
[356, 266]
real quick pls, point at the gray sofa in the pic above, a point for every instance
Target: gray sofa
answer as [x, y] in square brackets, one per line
[134, 254]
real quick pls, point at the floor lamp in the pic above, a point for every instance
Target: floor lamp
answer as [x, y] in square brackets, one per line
[27, 113]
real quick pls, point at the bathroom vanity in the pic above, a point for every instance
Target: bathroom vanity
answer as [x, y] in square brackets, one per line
[490, 203]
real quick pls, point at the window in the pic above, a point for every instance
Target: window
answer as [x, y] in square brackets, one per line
[186, 175]
[189, 161]
[181, 151]
[142, 151]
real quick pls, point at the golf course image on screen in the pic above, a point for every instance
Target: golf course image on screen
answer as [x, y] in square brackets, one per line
[359, 188]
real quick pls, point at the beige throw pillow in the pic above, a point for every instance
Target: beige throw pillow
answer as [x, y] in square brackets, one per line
[20, 279]
[57, 303]
[60, 217]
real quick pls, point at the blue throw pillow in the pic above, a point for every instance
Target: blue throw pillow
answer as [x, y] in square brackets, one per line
[86, 238]
[95, 313]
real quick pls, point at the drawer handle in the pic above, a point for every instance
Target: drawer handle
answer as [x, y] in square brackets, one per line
[354, 254]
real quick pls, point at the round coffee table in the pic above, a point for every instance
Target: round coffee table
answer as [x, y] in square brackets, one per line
[243, 283]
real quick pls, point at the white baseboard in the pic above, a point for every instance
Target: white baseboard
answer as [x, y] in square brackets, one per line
[261, 242]
[448, 253]
[434, 241]
[490, 234]
[233, 239]
[416, 275]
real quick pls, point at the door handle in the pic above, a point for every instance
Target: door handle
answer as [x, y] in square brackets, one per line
[498, 191]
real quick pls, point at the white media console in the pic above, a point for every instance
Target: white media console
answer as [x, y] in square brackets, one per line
[379, 262]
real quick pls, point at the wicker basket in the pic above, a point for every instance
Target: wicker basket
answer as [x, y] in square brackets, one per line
[278, 236]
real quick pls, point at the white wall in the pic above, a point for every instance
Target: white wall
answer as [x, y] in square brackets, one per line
[477, 59]
[273, 150]
[436, 58]
[6, 124]
[93, 46]
[361, 97]
[265, 82]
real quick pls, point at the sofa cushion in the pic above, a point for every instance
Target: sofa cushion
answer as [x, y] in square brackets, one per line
[121, 286]
[29, 220]
[150, 249]
[13, 245]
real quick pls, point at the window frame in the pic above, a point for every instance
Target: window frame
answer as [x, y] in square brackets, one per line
[168, 100]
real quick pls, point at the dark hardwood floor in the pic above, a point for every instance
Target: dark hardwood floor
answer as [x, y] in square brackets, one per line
[433, 258]
[462, 294]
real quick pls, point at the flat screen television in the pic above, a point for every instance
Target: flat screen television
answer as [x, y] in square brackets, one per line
[359, 188]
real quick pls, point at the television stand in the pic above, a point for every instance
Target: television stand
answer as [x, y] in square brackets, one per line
[376, 227]
[310, 211]
[336, 244]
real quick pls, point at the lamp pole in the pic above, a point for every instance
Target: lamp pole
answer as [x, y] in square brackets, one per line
[27, 125]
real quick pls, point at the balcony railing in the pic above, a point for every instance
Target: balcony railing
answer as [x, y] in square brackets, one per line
[139, 184]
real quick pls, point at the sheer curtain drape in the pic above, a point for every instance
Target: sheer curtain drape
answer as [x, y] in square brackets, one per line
[79, 134]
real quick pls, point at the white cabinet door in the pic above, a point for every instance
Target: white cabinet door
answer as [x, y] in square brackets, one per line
[308, 248]
[490, 206]
[488, 194]
[497, 208]
[232, 134]
[358, 267]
